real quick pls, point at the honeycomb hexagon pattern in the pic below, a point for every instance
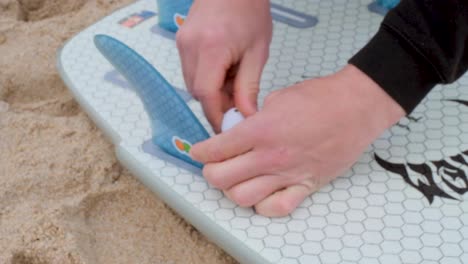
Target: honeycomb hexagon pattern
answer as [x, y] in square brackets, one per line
[404, 201]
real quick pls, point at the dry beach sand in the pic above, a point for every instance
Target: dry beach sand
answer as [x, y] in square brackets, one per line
[64, 198]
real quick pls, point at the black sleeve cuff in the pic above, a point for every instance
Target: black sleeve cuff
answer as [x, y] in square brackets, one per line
[398, 67]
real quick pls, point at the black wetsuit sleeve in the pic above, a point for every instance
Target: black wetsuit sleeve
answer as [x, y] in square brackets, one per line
[420, 44]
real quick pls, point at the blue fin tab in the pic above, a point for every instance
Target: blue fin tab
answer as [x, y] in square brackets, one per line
[175, 127]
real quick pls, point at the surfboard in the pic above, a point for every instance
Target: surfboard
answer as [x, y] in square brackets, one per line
[404, 201]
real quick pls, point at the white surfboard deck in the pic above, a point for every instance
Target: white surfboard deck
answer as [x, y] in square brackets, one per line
[369, 215]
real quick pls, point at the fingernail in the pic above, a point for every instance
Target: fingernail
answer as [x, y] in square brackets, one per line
[193, 154]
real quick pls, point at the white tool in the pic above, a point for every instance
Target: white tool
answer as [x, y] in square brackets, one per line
[231, 118]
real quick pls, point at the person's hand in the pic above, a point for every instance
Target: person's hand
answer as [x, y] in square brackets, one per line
[223, 47]
[303, 138]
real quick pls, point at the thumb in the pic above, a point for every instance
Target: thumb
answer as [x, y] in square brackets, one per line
[247, 82]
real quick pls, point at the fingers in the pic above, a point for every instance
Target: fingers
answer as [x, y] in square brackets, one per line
[247, 82]
[188, 57]
[207, 88]
[188, 73]
[285, 201]
[226, 174]
[204, 66]
[251, 192]
[236, 141]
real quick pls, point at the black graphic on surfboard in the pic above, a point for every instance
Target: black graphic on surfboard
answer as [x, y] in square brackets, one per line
[434, 176]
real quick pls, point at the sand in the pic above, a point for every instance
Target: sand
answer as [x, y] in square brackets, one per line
[64, 198]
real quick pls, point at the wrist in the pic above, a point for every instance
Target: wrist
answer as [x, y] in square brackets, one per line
[378, 108]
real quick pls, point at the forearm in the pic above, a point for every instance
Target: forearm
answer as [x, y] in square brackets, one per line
[420, 44]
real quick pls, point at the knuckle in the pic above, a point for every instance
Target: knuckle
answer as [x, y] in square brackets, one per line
[311, 184]
[279, 158]
[184, 37]
[203, 93]
[196, 93]
[284, 207]
[211, 38]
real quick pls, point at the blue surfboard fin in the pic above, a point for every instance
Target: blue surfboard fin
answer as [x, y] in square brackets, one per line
[174, 126]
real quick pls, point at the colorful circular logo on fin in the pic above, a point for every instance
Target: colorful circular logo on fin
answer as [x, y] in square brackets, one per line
[181, 145]
[179, 20]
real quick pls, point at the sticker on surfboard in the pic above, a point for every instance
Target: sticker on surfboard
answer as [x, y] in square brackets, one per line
[136, 18]
[179, 20]
[182, 146]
